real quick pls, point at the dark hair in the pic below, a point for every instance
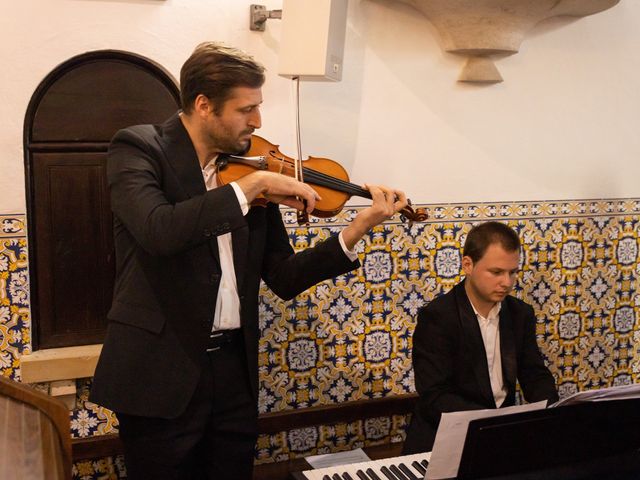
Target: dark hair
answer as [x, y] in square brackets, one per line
[213, 70]
[485, 234]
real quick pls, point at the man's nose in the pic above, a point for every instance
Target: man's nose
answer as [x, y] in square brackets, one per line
[508, 279]
[255, 121]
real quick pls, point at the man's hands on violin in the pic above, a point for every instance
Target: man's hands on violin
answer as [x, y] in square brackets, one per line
[279, 189]
[288, 191]
[386, 203]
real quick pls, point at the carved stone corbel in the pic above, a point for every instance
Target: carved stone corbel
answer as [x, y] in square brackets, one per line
[480, 29]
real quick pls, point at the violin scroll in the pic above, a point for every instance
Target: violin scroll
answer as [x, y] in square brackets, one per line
[411, 215]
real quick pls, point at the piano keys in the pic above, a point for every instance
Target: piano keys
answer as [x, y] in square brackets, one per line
[405, 467]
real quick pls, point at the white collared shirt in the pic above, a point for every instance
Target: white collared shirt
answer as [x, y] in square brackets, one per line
[490, 330]
[227, 313]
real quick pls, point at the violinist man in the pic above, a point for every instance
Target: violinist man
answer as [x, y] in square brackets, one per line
[179, 362]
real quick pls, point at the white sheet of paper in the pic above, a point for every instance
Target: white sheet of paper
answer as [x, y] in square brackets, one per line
[621, 392]
[452, 432]
[340, 458]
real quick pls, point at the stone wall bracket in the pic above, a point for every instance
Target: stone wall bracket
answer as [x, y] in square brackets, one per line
[482, 29]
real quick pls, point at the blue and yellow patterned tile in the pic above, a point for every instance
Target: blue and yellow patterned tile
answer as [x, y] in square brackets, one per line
[87, 418]
[15, 320]
[110, 468]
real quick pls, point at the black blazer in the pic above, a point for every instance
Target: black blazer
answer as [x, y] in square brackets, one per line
[168, 270]
[450, 363]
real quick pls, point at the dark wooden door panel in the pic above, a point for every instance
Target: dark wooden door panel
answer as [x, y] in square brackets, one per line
[74, 250]
[92, 101]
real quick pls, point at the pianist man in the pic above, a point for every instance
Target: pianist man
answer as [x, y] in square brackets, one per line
[471, 345]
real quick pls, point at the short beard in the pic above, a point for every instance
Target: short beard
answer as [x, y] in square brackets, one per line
[231, 148]
[244, 150]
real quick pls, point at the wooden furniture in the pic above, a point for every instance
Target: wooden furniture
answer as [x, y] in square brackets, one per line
[35, 438]
[273, 423]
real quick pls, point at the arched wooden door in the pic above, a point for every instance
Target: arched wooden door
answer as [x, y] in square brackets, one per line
[70, 120]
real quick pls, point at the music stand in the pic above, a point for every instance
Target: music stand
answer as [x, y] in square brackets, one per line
[568, 442]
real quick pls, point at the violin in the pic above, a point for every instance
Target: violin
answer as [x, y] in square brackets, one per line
[327, 177]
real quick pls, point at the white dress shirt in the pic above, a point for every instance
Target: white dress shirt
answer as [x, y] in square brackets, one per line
[227, 313]
[490, 330]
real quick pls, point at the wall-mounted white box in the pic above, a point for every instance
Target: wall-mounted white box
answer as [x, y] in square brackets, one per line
[312, 41]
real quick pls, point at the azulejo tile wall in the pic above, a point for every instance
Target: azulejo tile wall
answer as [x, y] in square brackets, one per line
[15, 322]
[350, 338]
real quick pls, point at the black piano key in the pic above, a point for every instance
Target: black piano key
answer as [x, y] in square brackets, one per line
[419, 467]
[362, 475]
[396, 471]
[425, 463]
[372, 474]
[326, 477]
[336, 476]
[346, 476]
[407, 472]
[387, 473]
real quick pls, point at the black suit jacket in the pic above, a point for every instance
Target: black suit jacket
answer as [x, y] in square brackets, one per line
[450, 363]
[168, 270]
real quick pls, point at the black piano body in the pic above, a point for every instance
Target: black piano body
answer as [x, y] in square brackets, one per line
[597, 440]
[582, 441]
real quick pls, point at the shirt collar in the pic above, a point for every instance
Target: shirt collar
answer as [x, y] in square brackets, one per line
[493, 313]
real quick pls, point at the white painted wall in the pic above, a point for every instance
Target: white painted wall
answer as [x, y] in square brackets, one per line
[563, 125]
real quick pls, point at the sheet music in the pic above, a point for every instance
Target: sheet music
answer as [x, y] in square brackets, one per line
[339, 458]
[412, 466]
[451, 434]
[621, 392]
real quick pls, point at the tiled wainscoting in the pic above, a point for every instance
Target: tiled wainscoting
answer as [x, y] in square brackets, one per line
[350, 338]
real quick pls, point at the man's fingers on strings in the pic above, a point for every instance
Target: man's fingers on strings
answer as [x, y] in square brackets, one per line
[377, 195]
[389, 199]
[400, 200]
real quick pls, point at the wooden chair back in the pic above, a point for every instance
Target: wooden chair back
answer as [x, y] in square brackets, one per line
[35, 439]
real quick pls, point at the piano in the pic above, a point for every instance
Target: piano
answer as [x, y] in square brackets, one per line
[405, 467]
[585, 441]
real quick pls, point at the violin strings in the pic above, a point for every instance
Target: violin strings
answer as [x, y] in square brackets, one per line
[325, 180]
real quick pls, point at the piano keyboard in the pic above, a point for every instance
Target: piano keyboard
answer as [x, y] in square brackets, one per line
[406, 467]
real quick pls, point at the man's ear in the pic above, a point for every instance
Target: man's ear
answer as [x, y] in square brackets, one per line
[467, 265]
[202, 106]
